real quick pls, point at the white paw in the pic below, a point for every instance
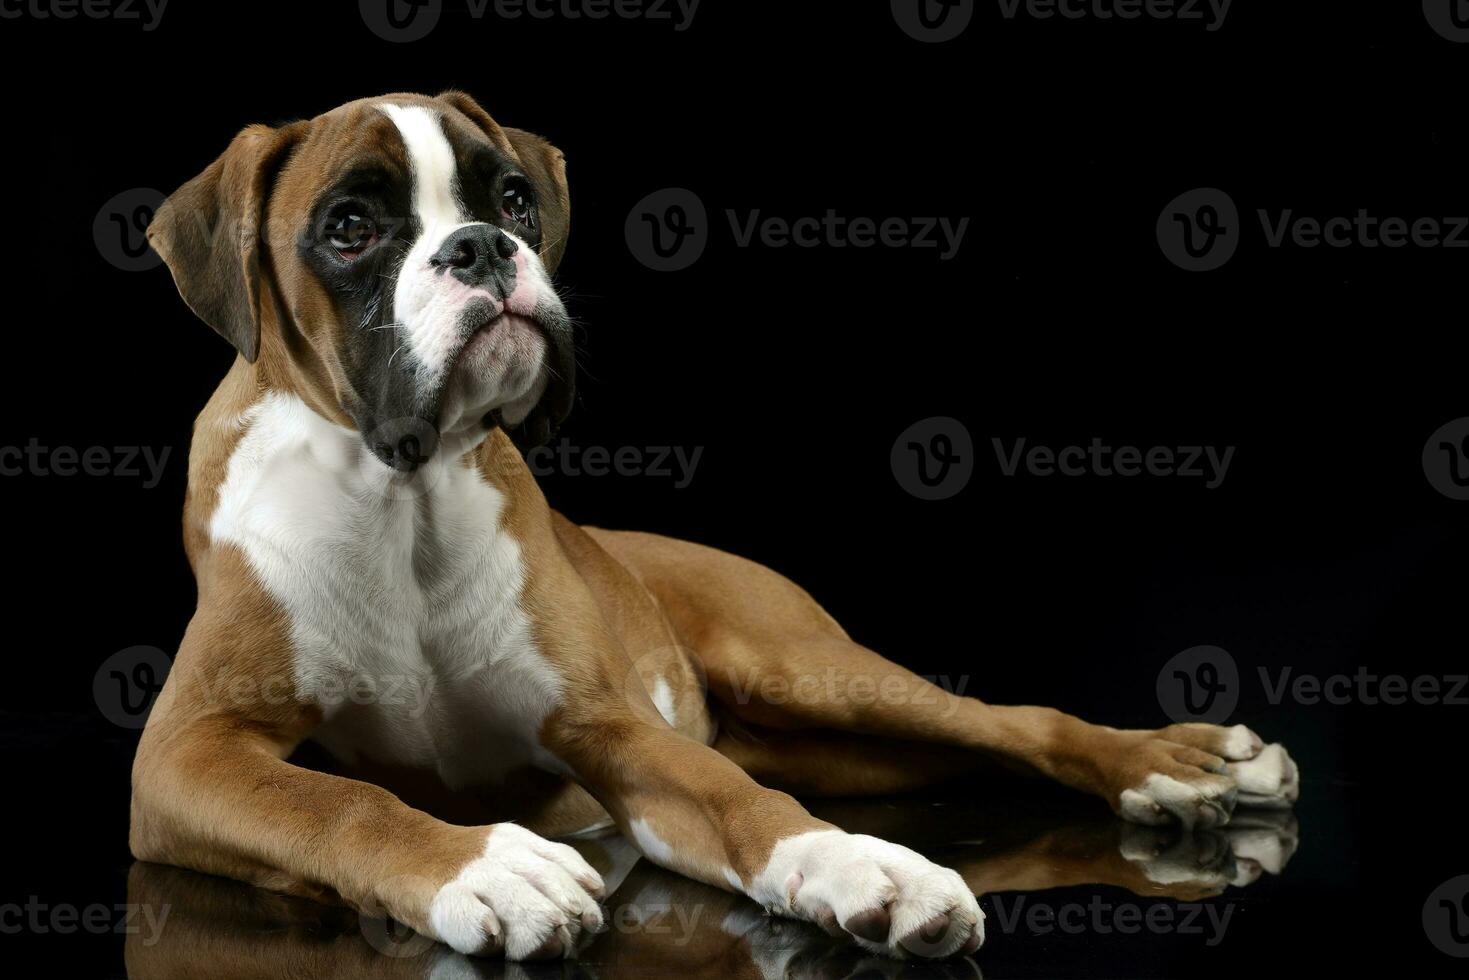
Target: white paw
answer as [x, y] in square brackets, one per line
[1204, 800]
[1270, 780]
[1262, 841]
[526, 896]
[1239, 742]
[1169, 856]
[890, 899]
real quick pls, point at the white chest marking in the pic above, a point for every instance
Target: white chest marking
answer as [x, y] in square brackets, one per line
[403, 605]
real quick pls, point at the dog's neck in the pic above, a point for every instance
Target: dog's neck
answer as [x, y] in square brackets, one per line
[237, 404]
[289, 365]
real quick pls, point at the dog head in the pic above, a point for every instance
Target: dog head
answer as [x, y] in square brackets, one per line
[392, 260]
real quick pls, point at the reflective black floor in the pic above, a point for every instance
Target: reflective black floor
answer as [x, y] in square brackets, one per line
[1066, 890]
[1338, 886]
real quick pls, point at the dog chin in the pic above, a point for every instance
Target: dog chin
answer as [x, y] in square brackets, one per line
[502, 369]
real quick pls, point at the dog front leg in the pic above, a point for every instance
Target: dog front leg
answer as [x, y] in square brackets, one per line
[690, 809]
[217, 797]
[212, 791]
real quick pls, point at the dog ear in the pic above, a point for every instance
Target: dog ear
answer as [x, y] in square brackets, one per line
[209, 233]
[544, 165]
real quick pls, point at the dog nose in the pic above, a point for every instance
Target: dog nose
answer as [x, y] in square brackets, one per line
[475, 249]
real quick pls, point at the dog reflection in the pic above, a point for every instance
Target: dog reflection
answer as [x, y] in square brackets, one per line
[1000, 852]
[659, 923]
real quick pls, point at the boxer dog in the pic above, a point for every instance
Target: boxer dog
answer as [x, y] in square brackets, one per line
[380, 576]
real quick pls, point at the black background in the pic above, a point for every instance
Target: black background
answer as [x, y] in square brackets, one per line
[794, 369]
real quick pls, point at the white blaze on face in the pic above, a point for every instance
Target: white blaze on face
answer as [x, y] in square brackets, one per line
[428, 311]
[428, 304]
[432, 159]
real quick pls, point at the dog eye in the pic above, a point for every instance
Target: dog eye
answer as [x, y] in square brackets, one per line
[518, 203]
[351, 234]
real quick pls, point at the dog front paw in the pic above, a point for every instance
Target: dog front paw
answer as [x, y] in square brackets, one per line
[1164, 782]
[888, 898]
[1197, 774]
[1262, 841]
[524, 896]
[1270, 780]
